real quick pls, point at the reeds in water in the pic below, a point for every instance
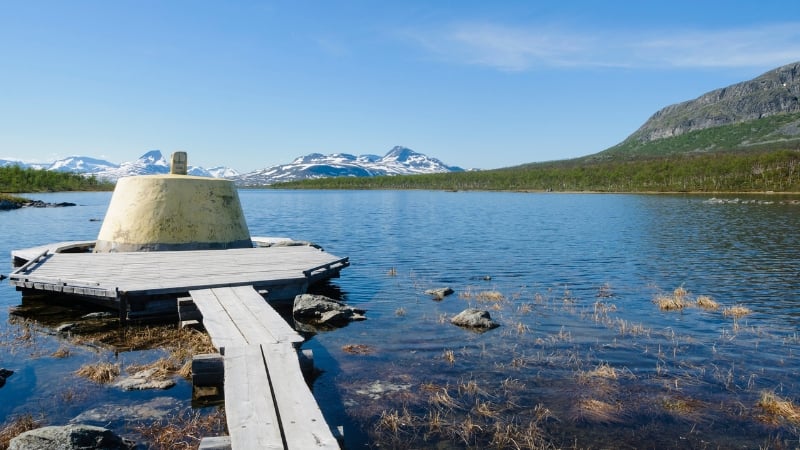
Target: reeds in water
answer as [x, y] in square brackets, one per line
[16, 426]
[777, 409]
[102, 372]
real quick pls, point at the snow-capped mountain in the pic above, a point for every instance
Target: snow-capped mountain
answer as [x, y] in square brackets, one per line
[399, 161]
[214, 172]
[151, 163]
[23, 164]
[81, 164]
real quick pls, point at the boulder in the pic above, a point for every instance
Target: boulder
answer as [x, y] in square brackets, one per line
[439, 293]
[69, 437]
[324, 310]
[474, 318]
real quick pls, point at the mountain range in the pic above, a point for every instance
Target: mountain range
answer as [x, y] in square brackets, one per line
[398, 161]
[151, 163]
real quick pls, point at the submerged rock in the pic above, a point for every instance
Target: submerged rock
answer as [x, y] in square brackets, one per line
[474, 318]
[98, 315]
[66, 327]
[324, 310]
[143, 380]
[5, 373]
[439, 293]
[118, 414]
[377, 389]
[69, 437]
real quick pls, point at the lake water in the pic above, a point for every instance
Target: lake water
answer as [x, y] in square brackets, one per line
[583, 358]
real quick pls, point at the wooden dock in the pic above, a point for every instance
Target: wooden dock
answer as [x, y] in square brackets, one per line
[267, 402]
[136, 282]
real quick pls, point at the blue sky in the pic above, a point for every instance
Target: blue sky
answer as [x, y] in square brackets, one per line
[481, 84]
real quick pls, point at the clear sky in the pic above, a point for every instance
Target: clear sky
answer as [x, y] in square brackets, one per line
[478, 84]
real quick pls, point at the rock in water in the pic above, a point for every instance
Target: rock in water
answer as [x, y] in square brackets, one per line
[69, 437]
[321, 309]
[474, 318]
[439, 293]
[5, 373]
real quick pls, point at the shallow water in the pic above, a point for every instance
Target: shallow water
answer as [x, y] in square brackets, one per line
[577, 275]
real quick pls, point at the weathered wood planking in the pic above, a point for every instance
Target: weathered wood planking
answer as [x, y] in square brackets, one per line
[27, 254]
[240, 315]
[238, 319]
[249, 408]
[264, 314]
[218, 323]
[303, 425]
[151, 273]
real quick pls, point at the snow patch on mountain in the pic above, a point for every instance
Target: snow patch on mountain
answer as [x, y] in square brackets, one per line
[398, 161]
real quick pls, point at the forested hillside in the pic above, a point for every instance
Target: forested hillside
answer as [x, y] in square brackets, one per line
[14, 179]
[777, 170]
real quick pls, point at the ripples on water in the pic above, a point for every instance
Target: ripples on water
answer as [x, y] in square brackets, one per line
[577, 275]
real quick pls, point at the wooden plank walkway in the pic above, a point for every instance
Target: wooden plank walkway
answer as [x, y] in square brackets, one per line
[111, 275]
[267, 401]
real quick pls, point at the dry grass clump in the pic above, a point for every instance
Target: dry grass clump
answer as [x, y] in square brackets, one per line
[489, 296]
[181, 342]
[15, 427]
[603, 370]
[684, 407]
[449, 356]
[441, 397]
[605, 291]
[777, 409]
[183, 431]
[517, 436]
[163, 368]
[102, 372]
[736, 311]
[357, 349]
[62, 352]
[596, 411]
[670, 302]
[707, 303]
[482, 296]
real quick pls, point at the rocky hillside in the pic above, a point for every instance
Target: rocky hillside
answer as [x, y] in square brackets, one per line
[775, 92]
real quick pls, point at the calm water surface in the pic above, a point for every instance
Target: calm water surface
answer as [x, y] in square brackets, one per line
[583, 357]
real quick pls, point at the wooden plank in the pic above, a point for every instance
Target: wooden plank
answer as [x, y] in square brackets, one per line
[249, 407]
[224, 333]
[303, 425]
[28, 265]
[266, 315]
[243, 319]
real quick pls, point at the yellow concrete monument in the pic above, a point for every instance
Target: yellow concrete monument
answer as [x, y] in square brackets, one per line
[173, 212]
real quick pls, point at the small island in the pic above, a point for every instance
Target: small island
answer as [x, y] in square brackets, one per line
[8, 202]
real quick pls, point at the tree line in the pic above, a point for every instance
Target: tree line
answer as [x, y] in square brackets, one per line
[15, 179]
[770, 170]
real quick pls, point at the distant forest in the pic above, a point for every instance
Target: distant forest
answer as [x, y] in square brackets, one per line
[15, 179]
[730, 171]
